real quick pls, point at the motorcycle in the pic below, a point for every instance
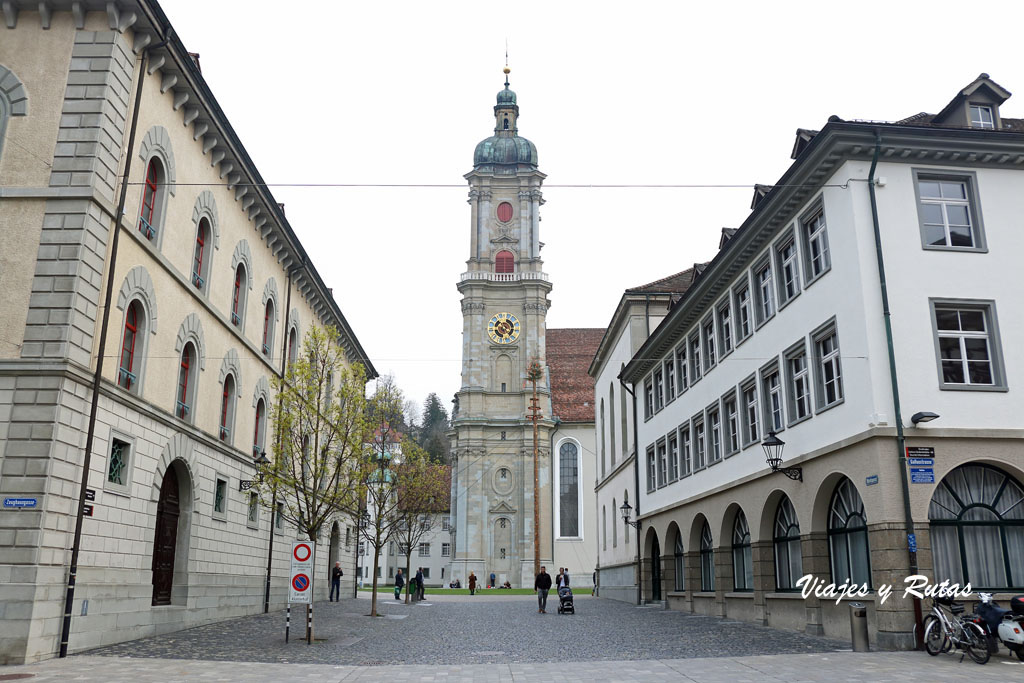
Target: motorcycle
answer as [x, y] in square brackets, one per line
[1001, 625]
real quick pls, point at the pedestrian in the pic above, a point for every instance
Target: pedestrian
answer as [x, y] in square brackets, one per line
[472, 583]
[336, 574]
[419, 583]
[493, 579]
[566, 572]
[542, 584]
[593, 591]
[399, 582]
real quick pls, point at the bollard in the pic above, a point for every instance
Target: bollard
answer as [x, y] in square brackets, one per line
[859, 626]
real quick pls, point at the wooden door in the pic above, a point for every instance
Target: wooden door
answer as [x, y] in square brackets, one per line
[166, 538]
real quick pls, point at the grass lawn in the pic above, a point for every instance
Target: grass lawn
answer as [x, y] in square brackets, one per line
[434, 590]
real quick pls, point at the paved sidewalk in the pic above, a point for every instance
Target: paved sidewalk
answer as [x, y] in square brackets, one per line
[874, 667]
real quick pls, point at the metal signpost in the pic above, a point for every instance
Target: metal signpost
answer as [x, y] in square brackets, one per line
[300, 584]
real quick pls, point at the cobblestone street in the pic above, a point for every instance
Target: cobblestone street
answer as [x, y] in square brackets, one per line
[473, 630]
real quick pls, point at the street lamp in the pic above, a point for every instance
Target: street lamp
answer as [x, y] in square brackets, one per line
[625, 510]
[923, 416]
[773, 446]
[362, 522]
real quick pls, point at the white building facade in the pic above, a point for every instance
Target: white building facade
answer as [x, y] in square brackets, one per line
[785, 332]
[210, 294]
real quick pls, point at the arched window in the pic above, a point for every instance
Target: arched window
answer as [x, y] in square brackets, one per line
[238, 296]
[268, 328]
[292, 339]
[568, 490]
[227, 408]
[601, 426]
[200, 262]
[260, 431]
[604, 527]
[742, 562]
[152, 191]
[504, 262]
[131, 346]
[611, 424]
[977, 528]
[624, 416]
[615, 527]
[680, 567]
[707, 559]
[186, 382]
[848, 536]
[786, 539]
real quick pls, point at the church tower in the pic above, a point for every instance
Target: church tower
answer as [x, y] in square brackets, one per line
[504, 307]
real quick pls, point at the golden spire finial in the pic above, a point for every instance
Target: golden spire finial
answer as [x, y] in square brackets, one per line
[506, 70]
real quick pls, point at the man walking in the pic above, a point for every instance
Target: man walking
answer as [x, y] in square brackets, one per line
[542, 584]
[419, 583]
[336, 574]
[493, 579]
[399, 582]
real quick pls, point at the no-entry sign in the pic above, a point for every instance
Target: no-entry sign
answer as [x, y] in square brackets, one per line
[300, 585]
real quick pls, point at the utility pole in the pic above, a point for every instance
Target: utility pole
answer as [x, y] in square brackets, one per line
[535, 373]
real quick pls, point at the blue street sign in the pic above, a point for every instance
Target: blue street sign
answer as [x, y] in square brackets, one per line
[922, 475]
[20, 502]
[872, 480]
[921, 462]
[912, 542]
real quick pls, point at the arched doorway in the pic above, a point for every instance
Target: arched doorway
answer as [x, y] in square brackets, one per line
[165, 541]
[334, 551]
[655, 569]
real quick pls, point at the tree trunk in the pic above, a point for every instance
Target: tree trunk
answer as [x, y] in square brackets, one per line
[408, 574]
[373, 598]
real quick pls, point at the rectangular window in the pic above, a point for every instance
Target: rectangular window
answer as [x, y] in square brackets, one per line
[648, 398]
[743, 323]
[424, 550]
[710, 355]
[220, 497]
[279, 517]
[681, 366]
[254, 509]
[685, 450]
[789, 274]
[699, 453]
[403, 548]
[446, 523]
[829, 370]
[362, 547]
[670, 380]
[117, 463]
[725, 327]
[662, 463]
[731, 423]
[695, 367]
[659, 390]
[765, 292]
[391, 572]
[348, 537]
[949, 211]
[817, 259]
[714, 434]
[426, 572]
[798, 378]
[673, 456]
[968, 345]
[748, 396]
[446, 550]
[772, 389]
[391, 548]
[651, 465]
[981, 116]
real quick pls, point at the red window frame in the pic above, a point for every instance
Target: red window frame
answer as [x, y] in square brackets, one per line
[131, 326]
[149, 194]
[186, 362]
[266, 326]
[225, 405]
[504, 262]
[197, 261]
[256, 445]
[237, 295]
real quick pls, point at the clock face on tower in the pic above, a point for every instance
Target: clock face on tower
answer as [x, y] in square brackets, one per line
[503, 328]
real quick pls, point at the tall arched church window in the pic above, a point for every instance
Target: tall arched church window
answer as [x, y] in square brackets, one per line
[707, 559]
[615, 527]
[227, 408]
[977, 528]
[680, 568]
[238, 296]
[186, 382]
[611, 424]
[742, 562]
[624, 416]
[568, 490]
[152, 191]
[848, 536]
[504, 262]
[504, 212]
[131, 343]
[601, 426]
[786, 540]
[604, 527]
[506, 123]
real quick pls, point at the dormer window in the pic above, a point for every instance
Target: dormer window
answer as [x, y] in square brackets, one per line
[981, 116]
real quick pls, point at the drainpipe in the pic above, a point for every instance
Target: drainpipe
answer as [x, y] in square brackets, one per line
[97, 378]
[636, 497]
[894, 382]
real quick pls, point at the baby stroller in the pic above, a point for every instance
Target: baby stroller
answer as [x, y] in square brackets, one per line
[565, 605]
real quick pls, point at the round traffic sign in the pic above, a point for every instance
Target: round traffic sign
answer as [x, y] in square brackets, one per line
[302, 552]
[300, 582]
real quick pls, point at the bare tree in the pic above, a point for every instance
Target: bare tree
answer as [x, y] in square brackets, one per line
[423, 491]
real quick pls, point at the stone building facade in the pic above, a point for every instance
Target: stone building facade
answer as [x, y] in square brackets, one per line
[881, 238]
[211, 294]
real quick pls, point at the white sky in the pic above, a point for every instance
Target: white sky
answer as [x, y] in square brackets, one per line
[638, 92]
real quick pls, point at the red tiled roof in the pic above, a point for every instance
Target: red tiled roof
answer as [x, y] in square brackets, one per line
[569, 352]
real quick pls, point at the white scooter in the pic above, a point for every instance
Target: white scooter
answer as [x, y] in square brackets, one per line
[1003, 625]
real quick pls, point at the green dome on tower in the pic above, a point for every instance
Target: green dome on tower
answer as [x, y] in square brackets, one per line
[505, 151]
